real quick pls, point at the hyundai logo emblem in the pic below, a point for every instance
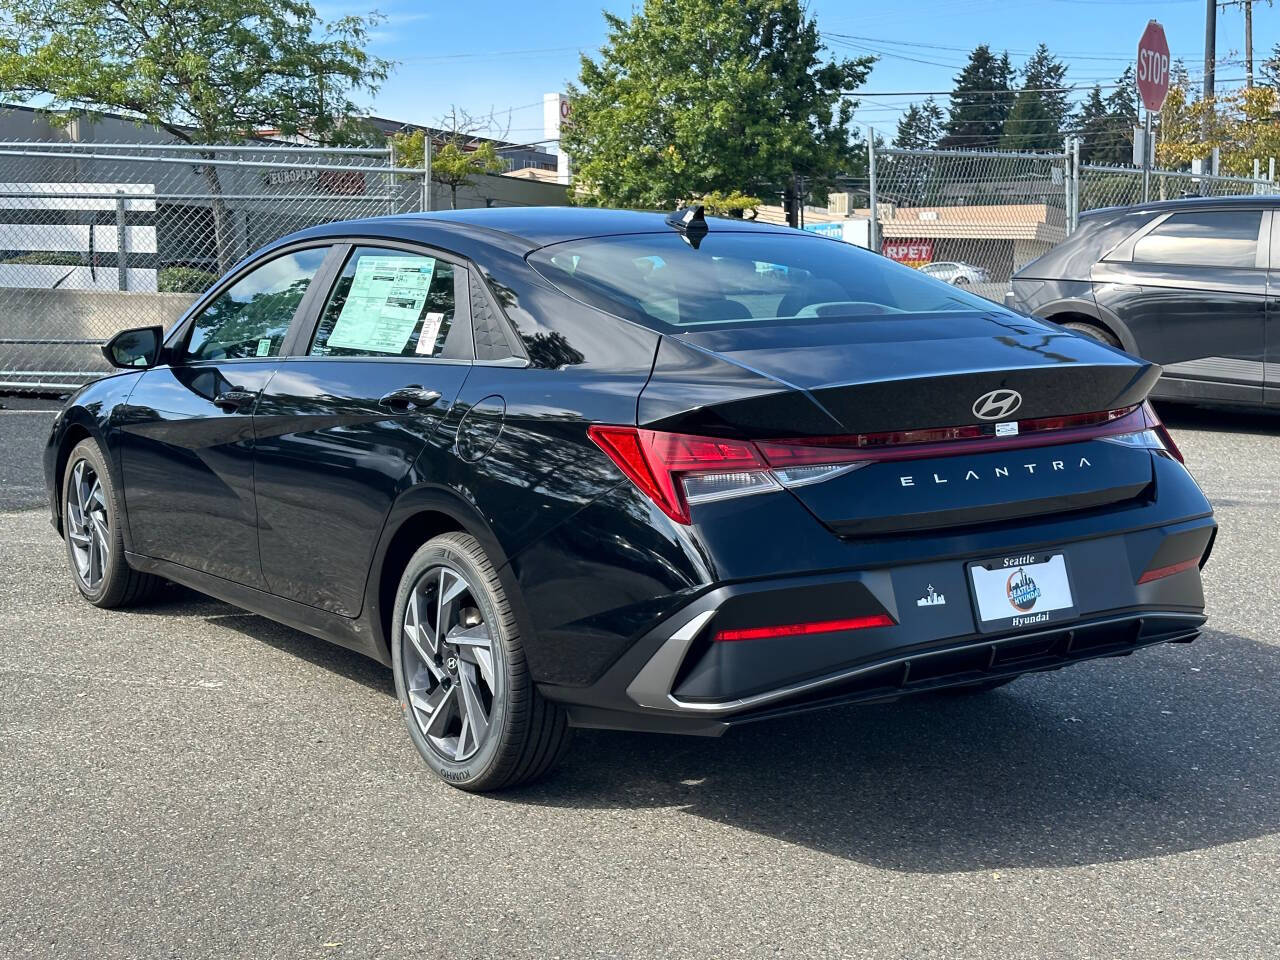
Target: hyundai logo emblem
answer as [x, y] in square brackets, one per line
[997, 404]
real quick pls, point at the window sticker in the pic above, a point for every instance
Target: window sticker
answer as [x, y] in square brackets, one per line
[430, 330]
[387, 295]
[264, 347]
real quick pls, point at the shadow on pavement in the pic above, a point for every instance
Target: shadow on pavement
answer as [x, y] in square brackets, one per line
[1184, 416]
[1045, 773]
[178, 601]
[1116, 760]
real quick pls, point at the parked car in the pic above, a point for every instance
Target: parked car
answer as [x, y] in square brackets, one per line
[956, 273]
[574, 467]
[1190, 284]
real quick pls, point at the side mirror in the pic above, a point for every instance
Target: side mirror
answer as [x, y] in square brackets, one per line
[133, 349]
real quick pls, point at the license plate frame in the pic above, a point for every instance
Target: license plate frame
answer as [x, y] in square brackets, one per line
[994, 584]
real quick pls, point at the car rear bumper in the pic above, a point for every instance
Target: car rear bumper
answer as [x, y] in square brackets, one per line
[684, 677]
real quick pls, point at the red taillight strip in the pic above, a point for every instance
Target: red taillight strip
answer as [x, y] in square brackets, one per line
[1040, 432]
[1159, 573]
[804, 629]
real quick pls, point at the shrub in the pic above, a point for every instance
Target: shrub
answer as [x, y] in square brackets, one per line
[184, 280]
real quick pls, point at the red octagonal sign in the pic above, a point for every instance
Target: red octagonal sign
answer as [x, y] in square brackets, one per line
[1153, 66]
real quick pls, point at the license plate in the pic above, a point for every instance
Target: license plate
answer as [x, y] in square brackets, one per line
[1021, 591]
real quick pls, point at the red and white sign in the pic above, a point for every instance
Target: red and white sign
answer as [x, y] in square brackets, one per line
[914, 253]
[1153, 67]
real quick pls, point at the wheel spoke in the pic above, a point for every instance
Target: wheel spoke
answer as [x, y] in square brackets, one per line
[476, 719]
[95, 562]
[451, 587]
[460, 750]
[96, 496]
[77, 483]
[437, 725]
[475, 646]
[416, 631]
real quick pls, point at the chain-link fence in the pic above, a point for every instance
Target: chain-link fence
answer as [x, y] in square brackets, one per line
[973, 218]
[98, 237]
[1122, 186]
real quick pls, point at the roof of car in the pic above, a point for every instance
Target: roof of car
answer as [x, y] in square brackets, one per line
[1189, 203]
[529, 226]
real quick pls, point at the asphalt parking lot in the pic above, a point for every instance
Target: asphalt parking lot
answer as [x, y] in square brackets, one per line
[187, 780]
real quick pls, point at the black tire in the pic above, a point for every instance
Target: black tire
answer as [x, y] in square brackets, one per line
[983, 686]
[527, 734]
[961, 281]
[119, 584]
[1092, 330]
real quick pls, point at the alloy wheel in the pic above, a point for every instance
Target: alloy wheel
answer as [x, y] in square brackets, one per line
[450, 673]
[88, 525]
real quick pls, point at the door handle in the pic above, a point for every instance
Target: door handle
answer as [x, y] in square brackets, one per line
[410, 398]
[235, 398]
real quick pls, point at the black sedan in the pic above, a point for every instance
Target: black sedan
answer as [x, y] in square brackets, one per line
[563, 468]
[1191, 284]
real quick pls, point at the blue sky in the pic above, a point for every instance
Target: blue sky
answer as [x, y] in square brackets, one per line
[502, 56]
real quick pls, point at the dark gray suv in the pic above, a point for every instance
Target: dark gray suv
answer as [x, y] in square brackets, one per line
[1192, 284]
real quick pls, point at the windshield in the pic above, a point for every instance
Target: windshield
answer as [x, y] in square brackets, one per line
[663, 281]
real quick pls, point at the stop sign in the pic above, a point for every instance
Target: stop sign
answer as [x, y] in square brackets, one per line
[1153, 66]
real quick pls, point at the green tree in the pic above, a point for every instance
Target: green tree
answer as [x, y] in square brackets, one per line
[1269, 69]
[1091, 125]
[697, 97]
[204, 71]
[454, 164]
[980, 102]
[920, 127]
[1040, 110]
[1115, 145]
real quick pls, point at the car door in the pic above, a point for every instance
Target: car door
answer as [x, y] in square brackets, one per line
[1191, 287]
[341, 424]
[187, 445]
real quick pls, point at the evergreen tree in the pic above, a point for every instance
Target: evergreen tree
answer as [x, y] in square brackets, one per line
[920, 127]
[1040, 110]
[980, 102]
[1114, 144]
[1091, 125]
[1269, 69]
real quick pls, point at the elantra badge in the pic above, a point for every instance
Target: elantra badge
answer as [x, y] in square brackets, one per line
[997, 404]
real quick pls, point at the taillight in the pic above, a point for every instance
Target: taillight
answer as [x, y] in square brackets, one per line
[1153, 436]
[675, 470]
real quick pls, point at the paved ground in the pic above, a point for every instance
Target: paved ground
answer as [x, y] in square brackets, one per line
[191, 781]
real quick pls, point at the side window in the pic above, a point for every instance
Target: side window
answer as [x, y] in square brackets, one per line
[1208, 238]
[387, 303]
[251, 318]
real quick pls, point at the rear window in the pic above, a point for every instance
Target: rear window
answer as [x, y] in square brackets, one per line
[663, 281]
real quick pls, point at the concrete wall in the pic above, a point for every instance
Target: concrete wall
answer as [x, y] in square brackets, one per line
[63, 315]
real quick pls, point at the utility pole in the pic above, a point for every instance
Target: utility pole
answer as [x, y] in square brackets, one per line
[1210, 55]
[1248, 44]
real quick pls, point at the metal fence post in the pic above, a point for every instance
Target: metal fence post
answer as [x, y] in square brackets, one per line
[391, 176]
[873, 228]
[122, 234]
[426, 172]
[1075, 185]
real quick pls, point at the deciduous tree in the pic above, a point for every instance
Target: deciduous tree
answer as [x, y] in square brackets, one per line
[694, 97]
[204, 71]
